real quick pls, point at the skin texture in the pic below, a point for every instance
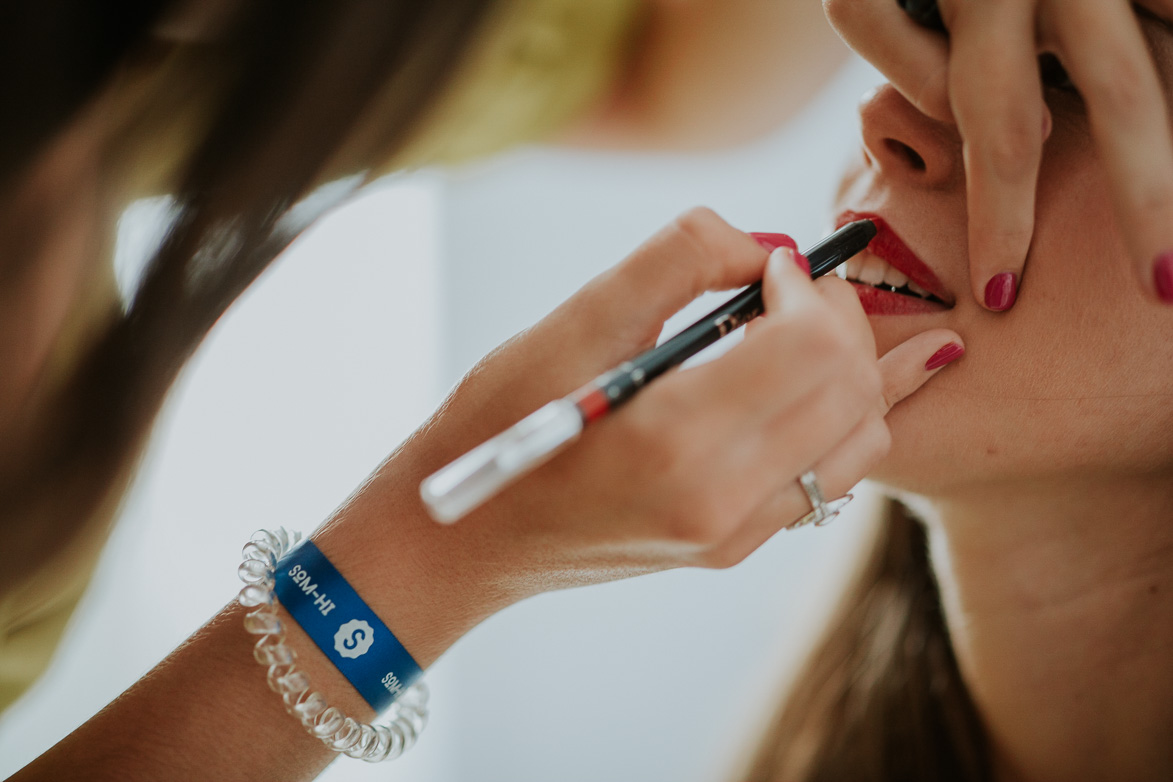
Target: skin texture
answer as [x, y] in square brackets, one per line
[668, 503]
[1043, 462]
[647, 495]
[985, 78]
[1020, 601]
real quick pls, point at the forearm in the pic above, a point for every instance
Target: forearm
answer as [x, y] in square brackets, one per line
[206, 711]
[652, 486]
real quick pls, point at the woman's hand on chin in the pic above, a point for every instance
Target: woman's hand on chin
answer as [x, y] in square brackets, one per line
[985, 77]
[702, 466]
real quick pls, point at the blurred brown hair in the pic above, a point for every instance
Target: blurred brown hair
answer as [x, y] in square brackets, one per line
[881, 696]
[288, 95]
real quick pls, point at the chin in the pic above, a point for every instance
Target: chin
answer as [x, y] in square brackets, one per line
[924, 458]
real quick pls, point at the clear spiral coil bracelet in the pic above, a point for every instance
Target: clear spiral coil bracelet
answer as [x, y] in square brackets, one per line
[405, 718]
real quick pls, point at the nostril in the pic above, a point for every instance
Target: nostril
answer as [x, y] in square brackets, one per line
[908, 153]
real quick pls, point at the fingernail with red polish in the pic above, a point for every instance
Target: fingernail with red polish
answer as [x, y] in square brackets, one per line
[945, 355]
[1163, 276]
[771, 241]
[1001, 291]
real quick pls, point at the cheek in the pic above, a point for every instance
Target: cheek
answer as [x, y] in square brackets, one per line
[947, 437]
[1077, 377]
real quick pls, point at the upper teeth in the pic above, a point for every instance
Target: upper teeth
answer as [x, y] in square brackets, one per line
[871, 270]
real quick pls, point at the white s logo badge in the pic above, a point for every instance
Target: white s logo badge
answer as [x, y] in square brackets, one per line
[354, 638]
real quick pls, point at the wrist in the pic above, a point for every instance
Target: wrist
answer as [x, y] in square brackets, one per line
[430, 584]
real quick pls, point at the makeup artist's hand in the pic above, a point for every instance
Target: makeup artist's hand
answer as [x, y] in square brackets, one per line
[985, 77]
[699, 468]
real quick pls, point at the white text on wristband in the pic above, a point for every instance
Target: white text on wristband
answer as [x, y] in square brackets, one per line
[343, 626]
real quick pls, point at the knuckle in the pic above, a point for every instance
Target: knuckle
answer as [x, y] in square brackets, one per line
[1119, 79]
[698, 233]
[1011, 153]
[699, 224]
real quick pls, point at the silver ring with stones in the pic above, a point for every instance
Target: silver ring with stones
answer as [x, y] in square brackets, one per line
[822, 512]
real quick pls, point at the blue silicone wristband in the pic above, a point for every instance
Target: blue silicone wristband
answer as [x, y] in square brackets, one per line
[343, 626]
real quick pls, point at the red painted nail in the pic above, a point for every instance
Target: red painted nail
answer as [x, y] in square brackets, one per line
[770, 241]
[803, 263]
[1001, 291]
[1163, 276]
[946, 355]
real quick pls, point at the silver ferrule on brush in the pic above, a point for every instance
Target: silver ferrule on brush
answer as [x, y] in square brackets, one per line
[456, 489]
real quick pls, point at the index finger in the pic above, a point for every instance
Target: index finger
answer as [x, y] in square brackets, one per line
[909, 365]
[914, 60]
[998, 103]
[1106, 54]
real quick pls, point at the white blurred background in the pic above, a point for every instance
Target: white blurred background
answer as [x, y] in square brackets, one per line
[347, 345]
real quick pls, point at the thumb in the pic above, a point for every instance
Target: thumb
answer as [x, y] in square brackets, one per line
[907, 367]
[787, 280]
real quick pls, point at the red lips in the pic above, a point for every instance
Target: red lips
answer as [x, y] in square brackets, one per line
[890, 248]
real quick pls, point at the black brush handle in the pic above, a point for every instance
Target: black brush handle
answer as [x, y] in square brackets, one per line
[615, 387]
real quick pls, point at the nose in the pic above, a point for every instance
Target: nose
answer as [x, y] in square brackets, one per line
[906, 145]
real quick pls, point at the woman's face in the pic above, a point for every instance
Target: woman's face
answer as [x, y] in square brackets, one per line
[1077, 378]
